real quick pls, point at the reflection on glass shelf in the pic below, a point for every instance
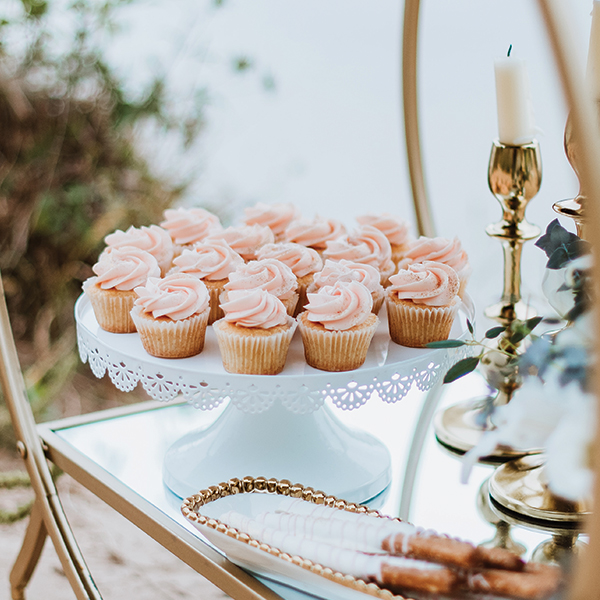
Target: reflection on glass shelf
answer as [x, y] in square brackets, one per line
[131, 449]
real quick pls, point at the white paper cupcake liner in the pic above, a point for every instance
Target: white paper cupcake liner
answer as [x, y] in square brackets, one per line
[166, 338]
[416, 325]
[111, 307]
[253, 351]
[336, 350]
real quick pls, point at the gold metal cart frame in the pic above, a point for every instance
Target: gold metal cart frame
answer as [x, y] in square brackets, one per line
[48, 518]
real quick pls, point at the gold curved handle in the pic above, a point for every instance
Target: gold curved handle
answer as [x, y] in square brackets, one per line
[558, 21]
[410, 37]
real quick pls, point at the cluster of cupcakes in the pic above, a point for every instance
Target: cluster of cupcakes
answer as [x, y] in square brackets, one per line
[256, 283]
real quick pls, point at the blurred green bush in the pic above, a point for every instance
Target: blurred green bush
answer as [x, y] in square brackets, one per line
[69, 174]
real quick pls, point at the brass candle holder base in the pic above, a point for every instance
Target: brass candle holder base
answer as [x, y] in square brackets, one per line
[458, 429]
[504, 312]
[519, 496]
[502, 538]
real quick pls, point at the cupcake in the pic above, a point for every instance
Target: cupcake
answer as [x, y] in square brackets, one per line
[395, 229]
[314, 233]
[246, 240]
[275, 216]
[337, 326]
[119, 271]
[153, 239]
[303, 261]
[422, 302]
[255, 334]
[212, 262]
[188, 226]
[346, 270]
[171, 315]
[449, 252]
[268, 274]
[366, 245]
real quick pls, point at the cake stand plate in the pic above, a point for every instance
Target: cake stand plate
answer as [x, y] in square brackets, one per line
[274, 426]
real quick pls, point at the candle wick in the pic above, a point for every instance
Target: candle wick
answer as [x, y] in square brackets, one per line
[509, 50]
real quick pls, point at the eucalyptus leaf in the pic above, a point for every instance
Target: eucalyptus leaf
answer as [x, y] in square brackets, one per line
[461, 368]
[532, 323]
[446, 344]
[470, 327]
[517, 337]
[554, 237]
[494, 332]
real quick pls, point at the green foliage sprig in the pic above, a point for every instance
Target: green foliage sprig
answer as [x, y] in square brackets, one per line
[513, 335]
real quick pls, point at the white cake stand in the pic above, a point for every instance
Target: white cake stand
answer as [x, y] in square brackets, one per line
[274, 426]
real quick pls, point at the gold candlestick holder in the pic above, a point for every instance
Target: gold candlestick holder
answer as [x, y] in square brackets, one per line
[514, 176]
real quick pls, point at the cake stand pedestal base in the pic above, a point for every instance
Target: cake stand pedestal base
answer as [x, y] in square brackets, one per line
[315, 449]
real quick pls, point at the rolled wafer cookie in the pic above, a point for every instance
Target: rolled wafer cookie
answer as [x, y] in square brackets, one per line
[399, 579]
[498, 558]
[514, 584]
[435, 548]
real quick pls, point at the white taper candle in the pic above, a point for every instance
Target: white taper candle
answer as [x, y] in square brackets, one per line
[515, 113]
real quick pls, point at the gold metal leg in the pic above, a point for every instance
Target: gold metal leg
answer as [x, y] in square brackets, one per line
[48, 506]
[30, 552]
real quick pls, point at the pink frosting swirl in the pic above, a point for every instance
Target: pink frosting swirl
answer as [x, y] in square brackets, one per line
[449, 252]
[315, 233]
[124, 268]
[267, 274]
[300, 259]
[274, 216]
[394, 228]
[177, 296]
[190, 225]
[153, 239]
[245, 240]
[341, 306]
[346, 270]
[209, 260]
[255, 308]
[430, 283]
[366, 245]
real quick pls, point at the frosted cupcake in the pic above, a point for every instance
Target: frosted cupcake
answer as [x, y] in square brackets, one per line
[245, 240]
[118, 271]
[314, 233]
[449, 252]
[337, 327]
[171, 315]
[346, 270]
[366, 245]
[188, 226]
[153, 239]
[303, 261]
[212, 262]
[255, 334]
[395, 229]
[422, 302]
[268, 274]
[274, 216]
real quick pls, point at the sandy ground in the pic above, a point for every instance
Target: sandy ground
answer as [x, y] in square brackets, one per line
[124, 561]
